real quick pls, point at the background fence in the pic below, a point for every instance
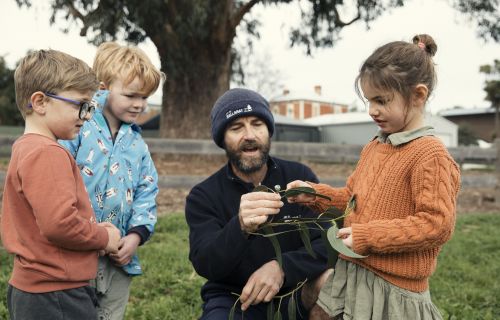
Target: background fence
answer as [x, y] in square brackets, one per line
[299, 151]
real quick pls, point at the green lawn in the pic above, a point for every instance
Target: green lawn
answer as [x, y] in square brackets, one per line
[465, 286]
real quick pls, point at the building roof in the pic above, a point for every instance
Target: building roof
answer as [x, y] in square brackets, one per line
[465, 111]
[364, 117]
[304, 97]
[340, 118]
[153, 122]
[280, 119]
[315, 95]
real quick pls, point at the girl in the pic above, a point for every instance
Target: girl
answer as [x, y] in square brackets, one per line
[405, 185]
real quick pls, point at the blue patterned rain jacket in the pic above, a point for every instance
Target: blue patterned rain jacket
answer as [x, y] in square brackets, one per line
[120, 178]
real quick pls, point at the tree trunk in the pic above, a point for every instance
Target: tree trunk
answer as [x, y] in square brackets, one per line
[186, 108]
[497, 170]
[198, 69]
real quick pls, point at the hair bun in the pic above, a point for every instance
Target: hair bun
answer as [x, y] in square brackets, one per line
[426, 43]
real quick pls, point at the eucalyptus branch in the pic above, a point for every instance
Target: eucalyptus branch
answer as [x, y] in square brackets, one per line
[299, 285]
[331, 215]
[291, 305]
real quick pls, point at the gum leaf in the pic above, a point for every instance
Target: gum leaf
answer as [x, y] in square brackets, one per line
[339, 245]
[298, 190]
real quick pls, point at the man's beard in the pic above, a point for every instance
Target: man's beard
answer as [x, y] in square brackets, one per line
[248, 165]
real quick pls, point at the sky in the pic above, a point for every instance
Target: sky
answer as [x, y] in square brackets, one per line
[460, 51]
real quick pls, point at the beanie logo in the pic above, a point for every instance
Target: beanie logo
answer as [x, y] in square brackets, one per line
[231, 113]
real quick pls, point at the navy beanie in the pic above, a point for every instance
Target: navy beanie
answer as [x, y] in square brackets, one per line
[237, 103]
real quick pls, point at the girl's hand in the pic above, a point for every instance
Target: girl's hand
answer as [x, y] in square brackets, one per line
[303, 198]
[346, 235]
[127, 247]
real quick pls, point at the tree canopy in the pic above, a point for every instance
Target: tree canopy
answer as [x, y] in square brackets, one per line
[194, 39]
[492, 89]
[486, 13]
[9, 114]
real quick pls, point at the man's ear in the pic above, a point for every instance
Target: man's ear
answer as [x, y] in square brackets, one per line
[38, 102]
[420, 94]
[102, 86]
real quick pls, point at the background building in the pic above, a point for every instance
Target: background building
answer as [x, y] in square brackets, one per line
[480, 121]
[359, 128]
[304, 106]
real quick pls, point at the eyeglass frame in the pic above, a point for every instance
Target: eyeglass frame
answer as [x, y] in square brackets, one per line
[86, 107]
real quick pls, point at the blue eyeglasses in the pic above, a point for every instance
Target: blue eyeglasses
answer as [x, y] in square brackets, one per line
[86, 107]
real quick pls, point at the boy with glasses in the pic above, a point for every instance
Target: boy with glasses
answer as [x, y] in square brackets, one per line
[47, 220]
[117, 168]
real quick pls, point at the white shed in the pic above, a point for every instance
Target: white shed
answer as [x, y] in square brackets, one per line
[359, 128]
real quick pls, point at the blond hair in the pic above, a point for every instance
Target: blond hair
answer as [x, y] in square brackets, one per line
[50, 71]
[113, 61]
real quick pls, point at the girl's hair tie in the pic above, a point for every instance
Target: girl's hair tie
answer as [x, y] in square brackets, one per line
[421, 45]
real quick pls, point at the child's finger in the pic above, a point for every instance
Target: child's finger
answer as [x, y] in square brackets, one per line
[344, 232]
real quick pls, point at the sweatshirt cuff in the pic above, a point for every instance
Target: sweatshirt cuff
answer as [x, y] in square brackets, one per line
[102, 237]
[142, 232]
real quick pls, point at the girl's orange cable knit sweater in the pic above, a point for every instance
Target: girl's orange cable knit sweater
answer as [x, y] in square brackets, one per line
[405, 208]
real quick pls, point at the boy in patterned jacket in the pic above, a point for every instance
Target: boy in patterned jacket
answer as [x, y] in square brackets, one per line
[117, 168]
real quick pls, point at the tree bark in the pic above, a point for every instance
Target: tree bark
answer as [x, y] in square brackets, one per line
[197, 63]
[187, 104]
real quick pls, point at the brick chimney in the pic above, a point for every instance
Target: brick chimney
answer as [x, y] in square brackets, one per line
[317, 89]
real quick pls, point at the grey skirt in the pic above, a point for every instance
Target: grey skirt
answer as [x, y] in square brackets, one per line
[353, 292]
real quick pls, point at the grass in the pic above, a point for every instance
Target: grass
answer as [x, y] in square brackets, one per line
[465, 286]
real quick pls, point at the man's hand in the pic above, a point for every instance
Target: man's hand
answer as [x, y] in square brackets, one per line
[113, 237]
[303, 198]
[126, 249]
[262, 285]
[255, 207]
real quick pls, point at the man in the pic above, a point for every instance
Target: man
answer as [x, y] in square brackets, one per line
[222, 212]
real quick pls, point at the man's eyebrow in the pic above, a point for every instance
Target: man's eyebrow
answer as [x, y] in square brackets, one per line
[234, 123]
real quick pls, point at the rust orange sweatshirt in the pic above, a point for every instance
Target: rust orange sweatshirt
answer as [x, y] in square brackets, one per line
[47, 221]
[405, 208]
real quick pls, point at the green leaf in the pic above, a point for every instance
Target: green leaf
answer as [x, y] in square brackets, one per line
[351, 205]
[339, 245]
[298, 190]
[276, 244]
[231, 312]
[292, 309]
[268, 235]
[270, 310]
[306, 239]
[277, 315]
[331, 253]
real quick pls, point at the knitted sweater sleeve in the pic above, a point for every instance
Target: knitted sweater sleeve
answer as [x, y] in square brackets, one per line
[435, 184]
[338, 196]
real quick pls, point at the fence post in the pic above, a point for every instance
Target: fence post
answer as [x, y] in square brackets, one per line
[497, 170]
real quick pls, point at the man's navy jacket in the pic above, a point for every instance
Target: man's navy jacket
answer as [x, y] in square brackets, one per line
[224, 255]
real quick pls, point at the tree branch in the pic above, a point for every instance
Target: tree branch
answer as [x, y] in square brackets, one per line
[76, 14]
[238, 15]
[339, 23]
